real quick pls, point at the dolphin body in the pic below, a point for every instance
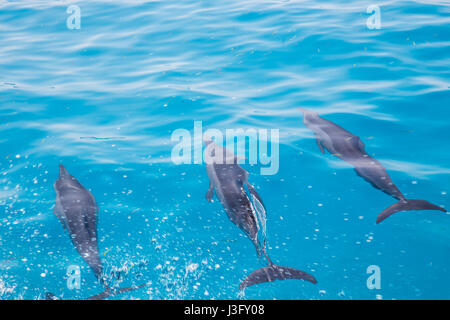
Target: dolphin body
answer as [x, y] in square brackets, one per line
[77, 211]
[348, 147]
[227, 180]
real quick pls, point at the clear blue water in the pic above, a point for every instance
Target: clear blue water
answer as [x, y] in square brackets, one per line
[104, 100]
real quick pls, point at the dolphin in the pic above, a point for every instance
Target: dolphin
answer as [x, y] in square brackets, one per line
[348, 147]
[77, 211]
[228, 180]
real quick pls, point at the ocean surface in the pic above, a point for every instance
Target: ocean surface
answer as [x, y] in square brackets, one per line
[104, 96]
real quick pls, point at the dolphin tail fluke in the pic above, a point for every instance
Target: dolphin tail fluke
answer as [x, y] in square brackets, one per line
[273, 272]
[105, 294]
[102, 295]
[109, 293]
[50, 296]
[408, 205]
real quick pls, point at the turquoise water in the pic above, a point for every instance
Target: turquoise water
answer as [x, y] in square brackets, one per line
[104, 100]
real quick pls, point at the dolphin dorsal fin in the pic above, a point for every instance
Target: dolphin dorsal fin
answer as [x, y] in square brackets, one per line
[357, 142]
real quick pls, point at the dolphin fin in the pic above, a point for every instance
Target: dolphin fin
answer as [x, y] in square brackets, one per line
[357, 142]
[273, 272]
[109, 293]
[255, 196]
[61, 219]
[319, 144]
[210, 192]
[260, 210]
[408, 205]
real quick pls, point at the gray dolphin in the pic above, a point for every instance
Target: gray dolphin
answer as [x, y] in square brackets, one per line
[227, 179]
[77, 211]
[348, 147]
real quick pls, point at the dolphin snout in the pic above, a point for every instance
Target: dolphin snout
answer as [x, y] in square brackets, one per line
[305, 111]
[62, 171]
